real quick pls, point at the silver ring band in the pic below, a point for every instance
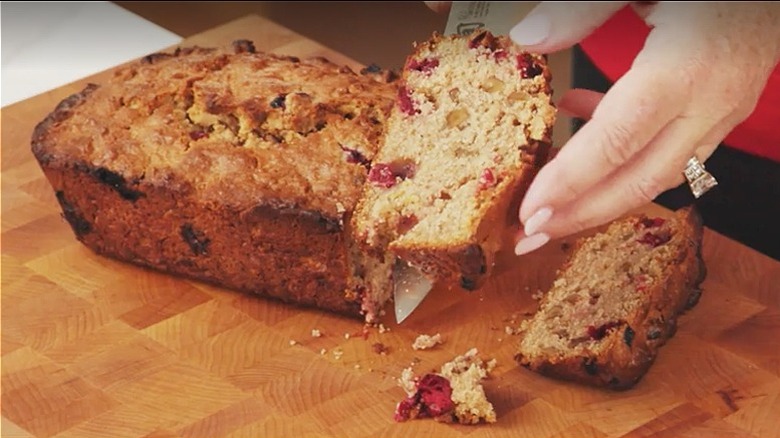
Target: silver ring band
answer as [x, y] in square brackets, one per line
[699, 180]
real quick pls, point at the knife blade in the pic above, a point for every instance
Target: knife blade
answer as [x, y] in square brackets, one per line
[410, 285]
[497, 17]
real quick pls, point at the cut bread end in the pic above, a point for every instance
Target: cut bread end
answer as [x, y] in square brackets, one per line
[616, 301]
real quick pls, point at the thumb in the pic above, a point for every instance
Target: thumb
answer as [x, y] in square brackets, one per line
[552, 26]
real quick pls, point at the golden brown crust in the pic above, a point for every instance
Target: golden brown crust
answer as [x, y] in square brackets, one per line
[232, 167]
[628, 351]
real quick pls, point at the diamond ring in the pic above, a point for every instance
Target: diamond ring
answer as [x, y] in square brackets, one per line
[699, 180]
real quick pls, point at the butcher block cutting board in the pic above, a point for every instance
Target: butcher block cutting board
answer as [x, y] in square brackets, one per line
[92, 347]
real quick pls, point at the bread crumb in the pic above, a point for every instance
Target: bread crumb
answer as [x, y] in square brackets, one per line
[315, 333]
[537, 295]
[323, 352]
[383, 329]
[424, 342]
[337, 353]
[293, 342]
[523, 326]
[380, 348]
[364, 332]
[357, 366]
[511, 330]
[346, 335]
[464, 375]
[407, 381]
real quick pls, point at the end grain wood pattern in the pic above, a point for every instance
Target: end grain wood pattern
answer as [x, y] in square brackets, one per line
[92, 347]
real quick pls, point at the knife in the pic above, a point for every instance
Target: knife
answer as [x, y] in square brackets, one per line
[497, 17]
[410, 285]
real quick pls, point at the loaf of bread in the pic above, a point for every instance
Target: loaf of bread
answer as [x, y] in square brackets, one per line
[472, 124]
[230, 166]
[616, 301]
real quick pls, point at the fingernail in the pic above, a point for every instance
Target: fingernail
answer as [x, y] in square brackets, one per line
[531, 243]
[536, 220]
[532, 30]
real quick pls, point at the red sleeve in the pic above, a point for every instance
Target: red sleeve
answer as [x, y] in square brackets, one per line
[613, 47]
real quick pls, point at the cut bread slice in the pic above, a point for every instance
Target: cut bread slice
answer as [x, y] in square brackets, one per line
[616, 301]
[472, 125]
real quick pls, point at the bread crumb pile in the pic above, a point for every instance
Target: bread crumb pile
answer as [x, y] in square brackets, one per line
[424, 342]
[454, 394]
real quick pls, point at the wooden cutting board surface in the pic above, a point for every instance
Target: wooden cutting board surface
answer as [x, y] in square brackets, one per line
[92, 347]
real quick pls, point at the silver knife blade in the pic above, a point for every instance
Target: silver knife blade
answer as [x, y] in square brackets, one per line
[497, 17]
[410, 288]
[410, 285]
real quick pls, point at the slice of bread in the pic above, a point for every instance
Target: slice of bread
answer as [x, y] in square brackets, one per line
[616, 301]
[472, 124]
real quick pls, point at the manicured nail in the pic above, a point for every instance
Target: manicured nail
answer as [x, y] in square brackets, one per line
[536, 220]
[531, 243]
[532, 30]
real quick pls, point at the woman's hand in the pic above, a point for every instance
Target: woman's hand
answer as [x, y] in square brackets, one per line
[699, 74]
